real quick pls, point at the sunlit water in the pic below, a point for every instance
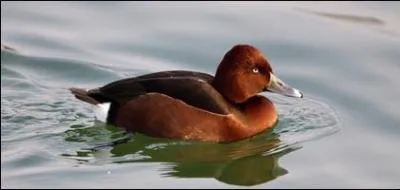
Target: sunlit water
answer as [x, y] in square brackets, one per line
[343, 56]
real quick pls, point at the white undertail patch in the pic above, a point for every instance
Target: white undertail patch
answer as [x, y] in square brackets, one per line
[101, 111]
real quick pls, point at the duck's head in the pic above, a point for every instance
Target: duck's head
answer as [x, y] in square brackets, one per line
[244, 72]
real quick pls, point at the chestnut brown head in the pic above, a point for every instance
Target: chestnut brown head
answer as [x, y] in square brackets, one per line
[244, 72]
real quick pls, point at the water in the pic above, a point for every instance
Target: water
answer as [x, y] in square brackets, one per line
[344, 56]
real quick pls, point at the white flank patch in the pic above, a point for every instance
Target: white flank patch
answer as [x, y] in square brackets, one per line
[101, 111]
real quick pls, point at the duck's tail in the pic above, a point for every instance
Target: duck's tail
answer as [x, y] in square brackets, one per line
[101, 108]
[82, 94]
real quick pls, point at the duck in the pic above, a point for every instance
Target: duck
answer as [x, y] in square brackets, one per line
[192, 105]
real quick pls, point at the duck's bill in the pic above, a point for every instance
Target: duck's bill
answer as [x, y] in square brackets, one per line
[276, 85]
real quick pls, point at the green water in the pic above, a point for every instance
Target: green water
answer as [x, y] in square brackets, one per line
[344, 56]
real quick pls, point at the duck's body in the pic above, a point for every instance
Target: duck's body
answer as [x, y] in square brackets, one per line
[192, 105]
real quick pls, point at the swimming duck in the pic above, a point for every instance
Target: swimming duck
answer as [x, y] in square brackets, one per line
[191, 105]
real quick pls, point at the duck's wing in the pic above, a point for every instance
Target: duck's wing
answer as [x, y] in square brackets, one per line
[193, 88]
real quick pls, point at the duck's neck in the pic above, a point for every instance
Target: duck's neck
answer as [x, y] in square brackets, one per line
[257, 112]
[230, 88]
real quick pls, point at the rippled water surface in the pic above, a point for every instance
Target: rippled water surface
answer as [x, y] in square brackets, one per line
[344, 56]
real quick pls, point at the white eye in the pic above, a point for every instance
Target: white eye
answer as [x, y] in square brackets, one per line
[255, 70]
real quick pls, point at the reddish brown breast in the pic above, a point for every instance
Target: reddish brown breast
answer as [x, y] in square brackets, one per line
[260, 113]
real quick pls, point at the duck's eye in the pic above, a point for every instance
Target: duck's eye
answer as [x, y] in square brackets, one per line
[255, 70]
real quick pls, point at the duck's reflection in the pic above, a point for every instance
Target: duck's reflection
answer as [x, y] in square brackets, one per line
[250, 170]
[249, 162]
